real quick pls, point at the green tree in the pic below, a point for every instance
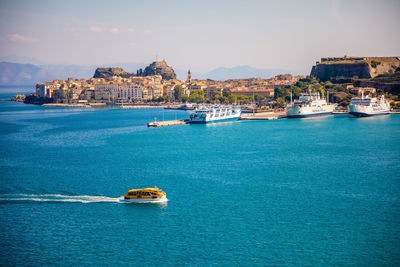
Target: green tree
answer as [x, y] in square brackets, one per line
[280, 101]
[226, 92]
[258, 98]
[196, 96]
[184, 98]
[178, 93]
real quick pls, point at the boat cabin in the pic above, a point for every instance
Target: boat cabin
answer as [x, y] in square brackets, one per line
[144, 193]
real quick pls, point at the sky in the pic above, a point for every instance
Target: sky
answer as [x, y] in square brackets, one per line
[201, 35]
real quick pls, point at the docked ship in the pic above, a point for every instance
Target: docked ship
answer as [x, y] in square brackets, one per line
[367, 106]
[145, 195]
[214, 114]
[309, 105]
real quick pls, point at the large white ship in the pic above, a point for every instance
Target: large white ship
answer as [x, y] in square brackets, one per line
[309, 105]
[214, 114]
[367, 106]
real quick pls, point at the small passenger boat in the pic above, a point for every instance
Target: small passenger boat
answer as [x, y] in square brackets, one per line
[145, 195]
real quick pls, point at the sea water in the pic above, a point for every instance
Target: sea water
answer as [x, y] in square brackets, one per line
[322, 191]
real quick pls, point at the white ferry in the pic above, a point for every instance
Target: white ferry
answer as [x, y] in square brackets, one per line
[214, 114]
[366, 106]
[309, 105]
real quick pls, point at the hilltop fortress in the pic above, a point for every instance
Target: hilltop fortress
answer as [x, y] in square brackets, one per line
[348, 67]
[155, 81]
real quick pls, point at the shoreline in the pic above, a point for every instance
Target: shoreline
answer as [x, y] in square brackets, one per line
[258, 115]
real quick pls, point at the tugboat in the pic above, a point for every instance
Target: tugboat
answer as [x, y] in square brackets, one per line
[145, 195]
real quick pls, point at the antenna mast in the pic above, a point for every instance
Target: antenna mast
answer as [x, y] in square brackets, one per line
[291, 97]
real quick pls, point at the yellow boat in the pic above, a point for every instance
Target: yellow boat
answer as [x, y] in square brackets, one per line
[145, 195]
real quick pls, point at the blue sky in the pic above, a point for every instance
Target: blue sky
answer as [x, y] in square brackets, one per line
[200, 35]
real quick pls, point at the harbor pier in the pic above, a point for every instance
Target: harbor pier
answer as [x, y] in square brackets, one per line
[263, 116]
[166, 123]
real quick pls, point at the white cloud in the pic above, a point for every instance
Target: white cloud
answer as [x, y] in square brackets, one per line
[96, 29]
[19, 38]
[132, 44]
[101, 29]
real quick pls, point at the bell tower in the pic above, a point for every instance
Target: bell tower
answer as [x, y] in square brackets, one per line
[189, 80]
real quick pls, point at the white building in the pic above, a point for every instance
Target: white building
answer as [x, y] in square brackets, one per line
[47, 90]
[130, 92]
[106, 91]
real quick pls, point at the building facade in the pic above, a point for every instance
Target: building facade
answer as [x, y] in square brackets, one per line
[128, 92]
[106, 91]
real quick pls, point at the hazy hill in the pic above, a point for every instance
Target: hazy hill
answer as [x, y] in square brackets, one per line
[29, 74]
[239, 72]
[20, 74]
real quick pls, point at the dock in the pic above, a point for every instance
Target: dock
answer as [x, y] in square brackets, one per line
[263, 116]
[166, 123]
[140, 106]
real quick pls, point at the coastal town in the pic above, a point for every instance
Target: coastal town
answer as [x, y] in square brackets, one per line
[337, 79]
[115, 87]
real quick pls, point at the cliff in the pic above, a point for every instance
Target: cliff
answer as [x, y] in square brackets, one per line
[160, 68]
[109, 72]
[349, 67]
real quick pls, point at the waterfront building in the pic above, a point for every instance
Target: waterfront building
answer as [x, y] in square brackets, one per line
[264, 92]
[75, 91]
[150, 92]
[210, 91]
[47, 89]
[106, 91]
[88, 93]
[128, 92]
[198, 86]
[168, 90]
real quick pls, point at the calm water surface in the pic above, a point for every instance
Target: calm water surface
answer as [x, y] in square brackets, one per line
[319, 191]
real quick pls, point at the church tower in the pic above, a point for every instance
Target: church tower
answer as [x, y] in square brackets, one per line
[189, 80]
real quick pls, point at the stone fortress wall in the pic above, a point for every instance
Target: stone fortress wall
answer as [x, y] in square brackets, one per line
[348, 67]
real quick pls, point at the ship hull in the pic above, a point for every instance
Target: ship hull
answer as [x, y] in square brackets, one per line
[214, 114]
[361, 114]
[145, 200]
[293, 116]
[211, 121]
[366, 111]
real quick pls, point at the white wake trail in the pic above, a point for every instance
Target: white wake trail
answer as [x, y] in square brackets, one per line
[59, 198]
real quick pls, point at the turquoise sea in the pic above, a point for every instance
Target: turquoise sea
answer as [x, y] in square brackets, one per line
[313, 192]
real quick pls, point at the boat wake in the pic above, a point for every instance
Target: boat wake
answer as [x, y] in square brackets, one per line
[58, 198]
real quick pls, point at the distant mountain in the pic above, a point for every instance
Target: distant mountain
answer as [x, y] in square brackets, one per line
[20, 74]
[239, 72]
[29, 74]
[21, 59]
